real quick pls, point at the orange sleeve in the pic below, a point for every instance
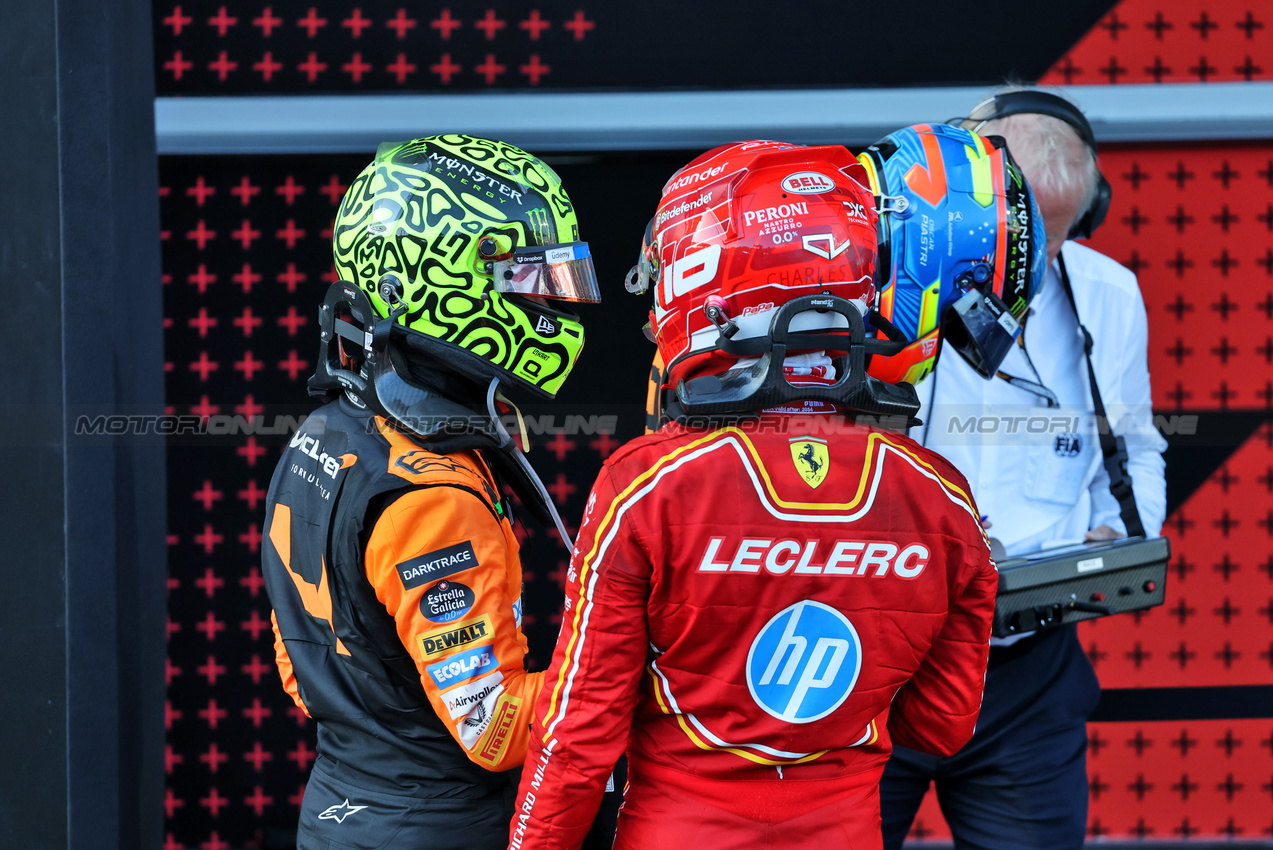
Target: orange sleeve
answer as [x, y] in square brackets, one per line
[655, 396]
[284, 662]
[447, 570]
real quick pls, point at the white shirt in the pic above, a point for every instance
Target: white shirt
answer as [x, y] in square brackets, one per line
[1037, 472]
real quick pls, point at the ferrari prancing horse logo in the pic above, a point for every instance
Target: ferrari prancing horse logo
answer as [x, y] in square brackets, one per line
[811, 459]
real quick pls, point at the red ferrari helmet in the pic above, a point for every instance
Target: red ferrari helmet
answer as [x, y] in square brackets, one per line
[744, 230]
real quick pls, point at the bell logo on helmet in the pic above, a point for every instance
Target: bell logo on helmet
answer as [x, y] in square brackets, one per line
[807, 183]
[831, 251]
[804, 663]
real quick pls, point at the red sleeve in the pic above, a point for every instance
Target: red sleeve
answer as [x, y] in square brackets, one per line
[584, 714]
[460, 626]
[936, 711]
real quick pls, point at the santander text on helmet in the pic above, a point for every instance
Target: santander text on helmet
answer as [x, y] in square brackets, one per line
[696, 177]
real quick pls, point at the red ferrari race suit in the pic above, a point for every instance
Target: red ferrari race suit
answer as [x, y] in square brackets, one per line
[756, 613]
[396, 585]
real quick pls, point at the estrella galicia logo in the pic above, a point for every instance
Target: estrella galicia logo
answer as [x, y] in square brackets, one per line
[446, 601]
[804, 663]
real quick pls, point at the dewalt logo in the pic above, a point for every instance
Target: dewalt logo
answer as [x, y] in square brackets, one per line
[448, 640]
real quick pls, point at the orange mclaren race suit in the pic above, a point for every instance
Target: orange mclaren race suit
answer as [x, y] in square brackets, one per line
[396, 586]
[756, 613]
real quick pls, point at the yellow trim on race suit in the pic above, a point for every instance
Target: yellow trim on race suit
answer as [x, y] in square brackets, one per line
[873, 439]
[705, 745]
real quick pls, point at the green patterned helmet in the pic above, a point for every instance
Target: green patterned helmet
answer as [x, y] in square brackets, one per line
[476, 243]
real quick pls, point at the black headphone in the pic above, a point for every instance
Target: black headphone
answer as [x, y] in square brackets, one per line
[1035, 102]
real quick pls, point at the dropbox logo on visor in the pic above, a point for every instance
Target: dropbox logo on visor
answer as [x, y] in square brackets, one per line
[804, 663]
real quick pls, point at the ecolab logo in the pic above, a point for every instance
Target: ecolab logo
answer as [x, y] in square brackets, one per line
[807, 183]
[696, 177]
[463, 666]
[846, 558]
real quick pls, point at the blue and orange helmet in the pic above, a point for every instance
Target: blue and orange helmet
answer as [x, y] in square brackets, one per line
[962, 246]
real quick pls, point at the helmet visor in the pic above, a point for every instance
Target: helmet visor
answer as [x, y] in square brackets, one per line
[563, 272]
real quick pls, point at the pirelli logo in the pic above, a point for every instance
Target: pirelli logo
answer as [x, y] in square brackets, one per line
[445, 641]
[495, 742]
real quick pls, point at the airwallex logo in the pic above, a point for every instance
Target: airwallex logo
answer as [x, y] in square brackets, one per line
[804, 662]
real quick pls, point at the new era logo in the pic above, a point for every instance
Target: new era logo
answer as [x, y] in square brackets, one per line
[545, 326]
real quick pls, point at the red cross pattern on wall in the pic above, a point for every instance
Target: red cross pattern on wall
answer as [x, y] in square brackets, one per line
[1191, 41]
[344, 46]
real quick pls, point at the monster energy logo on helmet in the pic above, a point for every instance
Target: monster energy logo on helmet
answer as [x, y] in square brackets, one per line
[1021, 238]
[539, 223]
[418, 213]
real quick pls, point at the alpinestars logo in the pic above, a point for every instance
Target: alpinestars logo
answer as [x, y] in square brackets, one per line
[340, 811]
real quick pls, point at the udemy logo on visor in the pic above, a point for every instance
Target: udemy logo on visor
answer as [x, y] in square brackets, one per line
[562, 271]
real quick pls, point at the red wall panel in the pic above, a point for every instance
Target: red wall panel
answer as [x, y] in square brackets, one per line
[1172, 41]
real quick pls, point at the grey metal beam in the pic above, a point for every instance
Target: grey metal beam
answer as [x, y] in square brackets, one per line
[599, 121]
[83, 518]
